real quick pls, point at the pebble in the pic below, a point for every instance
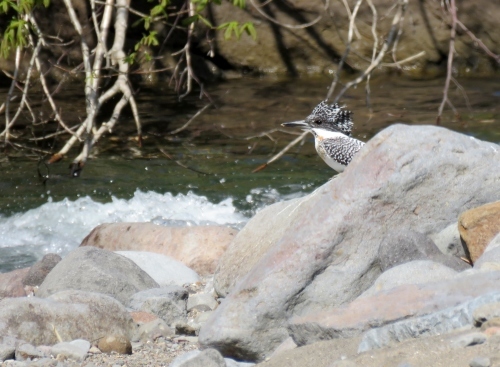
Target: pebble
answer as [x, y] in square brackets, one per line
[115, 343]
[468, 340]
[480, 362]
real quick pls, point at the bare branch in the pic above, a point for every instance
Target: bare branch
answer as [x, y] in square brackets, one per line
[290, 26]
[183, 127]
[453, 12]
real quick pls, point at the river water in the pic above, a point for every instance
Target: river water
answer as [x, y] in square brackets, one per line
[203, 175]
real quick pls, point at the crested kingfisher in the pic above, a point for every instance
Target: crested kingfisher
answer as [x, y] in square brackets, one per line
[331, 126]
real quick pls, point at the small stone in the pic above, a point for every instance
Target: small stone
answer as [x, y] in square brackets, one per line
[27, 351]
[480, 362]
[486, 312]
[494, 330]
[189, 339]
[153, 330]
[201, 302]
[6, 352]
[468, 340]
[184, 329]
[40, 269]
[94, 350]
[77, 349]
[494, 322]
[115, 343]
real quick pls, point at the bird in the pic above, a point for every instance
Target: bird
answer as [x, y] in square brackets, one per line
[331, 126]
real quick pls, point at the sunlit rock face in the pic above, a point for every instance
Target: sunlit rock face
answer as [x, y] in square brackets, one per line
[322, 251]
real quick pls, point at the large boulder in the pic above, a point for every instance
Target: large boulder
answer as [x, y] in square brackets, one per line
[69, 315]
[95, 270]
[406, 179]
[197, 247]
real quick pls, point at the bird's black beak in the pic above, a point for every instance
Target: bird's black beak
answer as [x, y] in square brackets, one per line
[302, 124]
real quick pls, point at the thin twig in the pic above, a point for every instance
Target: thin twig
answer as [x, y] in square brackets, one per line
[181, 164]
[388, 42]
[281, 152]
[453, 12]
[352, 18]
[183, 127]
[289, 26]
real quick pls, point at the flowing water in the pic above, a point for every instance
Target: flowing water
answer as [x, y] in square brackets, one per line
[203, 175]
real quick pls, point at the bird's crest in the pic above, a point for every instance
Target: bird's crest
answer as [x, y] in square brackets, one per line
[332, 115]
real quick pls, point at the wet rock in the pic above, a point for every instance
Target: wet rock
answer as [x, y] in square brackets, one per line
[478, 226]
[115, 343]
[468, 340]
[398, 249]
[76, 349]
[95, 270]
[69, 314]
[40, 269]
[205, 358]
[25, 351]
[11, 283]
[434, 323]
[168, 303]
[197, 247]
[201, 302]
[486, 312]
[163, 269]
[480, 362]
[414, 272]
[306, 258]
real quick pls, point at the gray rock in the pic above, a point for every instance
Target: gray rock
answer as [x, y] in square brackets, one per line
[77, 351]
[232, 363]
[152, 330]
[196, 323]
[71, 314]
[163, 269]
[201, 302]
[40, 269]
[435, 323]
[205, 358]
[95, 270]
[183, 358]
[468, 340]
[322, 251]
[168, 303]
[486, 312]
[480, 362]
[6, 352]
[414, 272]
[448, 241]
[398, 249]
[27, 351]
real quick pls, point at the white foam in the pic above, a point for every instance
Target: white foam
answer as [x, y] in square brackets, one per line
[61, 226]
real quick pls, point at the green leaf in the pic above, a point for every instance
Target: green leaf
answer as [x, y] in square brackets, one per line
[187, 21]
[205, 20]
[249, 28]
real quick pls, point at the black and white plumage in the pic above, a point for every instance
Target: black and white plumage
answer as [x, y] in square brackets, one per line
[331, 126]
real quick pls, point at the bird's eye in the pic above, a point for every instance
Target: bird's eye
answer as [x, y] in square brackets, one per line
[318, 122]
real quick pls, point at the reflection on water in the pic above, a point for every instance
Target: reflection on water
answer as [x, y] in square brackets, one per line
[226, 143]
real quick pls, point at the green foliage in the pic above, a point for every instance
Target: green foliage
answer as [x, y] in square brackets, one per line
[159, 11]
[234, 27]
[16, 32]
